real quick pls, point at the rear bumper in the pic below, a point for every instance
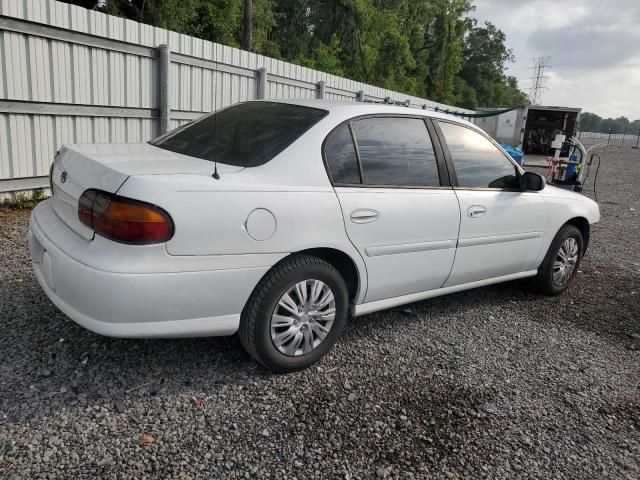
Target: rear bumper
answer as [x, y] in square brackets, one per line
[171, 303]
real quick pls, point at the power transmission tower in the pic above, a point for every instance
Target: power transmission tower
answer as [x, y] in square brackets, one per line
[539, 79]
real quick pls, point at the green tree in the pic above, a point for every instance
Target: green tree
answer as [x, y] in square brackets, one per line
[448, 27]
[485, 59]
[428, 48]
[590, 122]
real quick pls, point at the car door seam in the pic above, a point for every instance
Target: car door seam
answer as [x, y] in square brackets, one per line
[363, 295]
[457, 243]
[546, 230]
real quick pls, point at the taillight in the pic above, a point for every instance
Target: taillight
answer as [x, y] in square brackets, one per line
[123, 219]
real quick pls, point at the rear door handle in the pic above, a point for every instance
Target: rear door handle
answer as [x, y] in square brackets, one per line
[475, 211]
[364, 215]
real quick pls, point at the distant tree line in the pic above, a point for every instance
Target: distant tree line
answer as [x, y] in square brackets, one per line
[428, 48]
[590, 122]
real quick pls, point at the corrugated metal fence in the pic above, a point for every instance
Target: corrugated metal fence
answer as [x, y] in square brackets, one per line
[72, 75]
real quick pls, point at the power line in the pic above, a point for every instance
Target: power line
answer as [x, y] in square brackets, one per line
[539, 79]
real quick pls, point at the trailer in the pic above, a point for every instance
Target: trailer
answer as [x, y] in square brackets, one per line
[541, 126]
[532, 128]
[548, 137]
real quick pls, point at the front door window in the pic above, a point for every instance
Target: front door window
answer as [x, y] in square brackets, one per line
[477, 161]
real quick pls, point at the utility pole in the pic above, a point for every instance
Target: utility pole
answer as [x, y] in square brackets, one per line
[539, 79]
[248, 25]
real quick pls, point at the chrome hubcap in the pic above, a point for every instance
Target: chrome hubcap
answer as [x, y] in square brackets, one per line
[565, 262]
[303, 317]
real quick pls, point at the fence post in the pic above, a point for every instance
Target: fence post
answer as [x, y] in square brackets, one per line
[623, 137]
[261, 92]
[360, 96]
[637, 140]
[609, 138]
[164, 56]
[320, 87]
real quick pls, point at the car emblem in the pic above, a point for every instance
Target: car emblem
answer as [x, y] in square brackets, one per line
[63, 177]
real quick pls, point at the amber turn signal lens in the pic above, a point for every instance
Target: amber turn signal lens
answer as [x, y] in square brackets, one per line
[123, 219]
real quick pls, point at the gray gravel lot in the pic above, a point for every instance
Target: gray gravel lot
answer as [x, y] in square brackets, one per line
[495, 383]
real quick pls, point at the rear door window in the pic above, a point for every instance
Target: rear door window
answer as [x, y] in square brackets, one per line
[244, 135]
[340, 154]
[396, 151]
[477, 161]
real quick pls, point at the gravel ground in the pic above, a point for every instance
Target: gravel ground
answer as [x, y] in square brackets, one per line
[495, 383]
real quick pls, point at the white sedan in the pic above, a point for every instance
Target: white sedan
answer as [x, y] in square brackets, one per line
[278, 219]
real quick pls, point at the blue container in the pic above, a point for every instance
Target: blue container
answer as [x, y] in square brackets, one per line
[571, 168]
[515, 153]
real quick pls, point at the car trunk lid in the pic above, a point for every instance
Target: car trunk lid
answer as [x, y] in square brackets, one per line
[106, 167]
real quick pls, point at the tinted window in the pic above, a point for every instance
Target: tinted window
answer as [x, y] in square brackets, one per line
[245, 135]
[341, 157]
[396, 151]
[477, 161]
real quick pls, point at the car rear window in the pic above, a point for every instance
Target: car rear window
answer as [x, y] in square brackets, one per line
[244, 135]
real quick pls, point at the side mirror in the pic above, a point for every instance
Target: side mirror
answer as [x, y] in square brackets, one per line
[533, 182]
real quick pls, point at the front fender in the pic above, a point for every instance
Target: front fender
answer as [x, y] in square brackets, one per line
[565, 207]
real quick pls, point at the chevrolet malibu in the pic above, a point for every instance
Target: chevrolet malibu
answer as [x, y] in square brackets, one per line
[277, 220]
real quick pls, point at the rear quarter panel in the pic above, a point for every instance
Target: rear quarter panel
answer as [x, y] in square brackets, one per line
[210, 216]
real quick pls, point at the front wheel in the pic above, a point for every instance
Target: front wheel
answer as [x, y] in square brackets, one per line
[561, 263]
[295, 314]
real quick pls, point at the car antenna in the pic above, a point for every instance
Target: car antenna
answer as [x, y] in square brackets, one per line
[215, 175]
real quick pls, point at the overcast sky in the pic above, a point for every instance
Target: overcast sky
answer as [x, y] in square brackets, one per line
[594, 47]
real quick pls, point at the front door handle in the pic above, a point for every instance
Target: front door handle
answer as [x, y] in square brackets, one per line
[475, 211]
[364, 215]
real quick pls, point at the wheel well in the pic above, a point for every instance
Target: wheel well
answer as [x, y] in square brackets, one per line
[343, 263]
[582, 224]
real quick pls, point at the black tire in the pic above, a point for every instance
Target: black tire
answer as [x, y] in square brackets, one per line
[544, 281]
[255, 322]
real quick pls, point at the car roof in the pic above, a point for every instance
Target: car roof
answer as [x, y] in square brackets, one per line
[363, 108]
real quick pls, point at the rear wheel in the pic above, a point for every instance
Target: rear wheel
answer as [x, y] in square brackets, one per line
[295, 314]
[561, 263]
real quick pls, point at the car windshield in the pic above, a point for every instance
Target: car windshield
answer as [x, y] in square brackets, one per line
[244, 135]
